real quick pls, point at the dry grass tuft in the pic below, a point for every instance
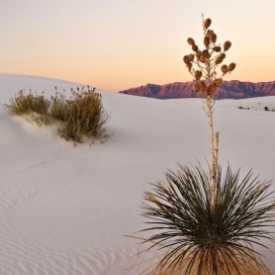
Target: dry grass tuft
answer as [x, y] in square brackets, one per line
[80, 117]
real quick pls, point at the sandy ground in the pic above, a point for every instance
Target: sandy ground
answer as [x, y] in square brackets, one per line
[66, 210]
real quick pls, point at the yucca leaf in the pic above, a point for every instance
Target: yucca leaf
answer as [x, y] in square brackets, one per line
[197, 239]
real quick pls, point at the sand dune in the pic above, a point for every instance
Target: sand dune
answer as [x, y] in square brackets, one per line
[66, 210]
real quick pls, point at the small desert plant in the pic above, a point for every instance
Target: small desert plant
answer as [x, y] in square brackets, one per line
[32, 105]
[58, 106]
[243, 108]
[81, 116]
[27, 103]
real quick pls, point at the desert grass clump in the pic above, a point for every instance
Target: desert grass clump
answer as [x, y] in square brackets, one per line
[80, 117]
[33, 106]
[201, 242]
[83, 115]
[26, 103]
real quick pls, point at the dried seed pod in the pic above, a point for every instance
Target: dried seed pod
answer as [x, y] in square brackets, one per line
[198, 54]
[218, 60]
[207, 23]
[198, 75]
[206, 41]
[209, 33]
[202, 59]
[191, 41]
[231, 67]
[206, 54]
[203, 87]
[210, 90]
[195, 48]
[226, 45]
[213, 37]
[217, 49]
[191, 57]
[218, 82]
[224, 69]
[186, 59]
[196, 87]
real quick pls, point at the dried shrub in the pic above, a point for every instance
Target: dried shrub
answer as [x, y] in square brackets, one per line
[83, 115]
[24, 104]
[80, 117]
[34, 106]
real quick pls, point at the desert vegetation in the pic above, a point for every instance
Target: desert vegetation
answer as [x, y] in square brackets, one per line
[266, 108]
[82, 116]
[207, 221]
[243, 108]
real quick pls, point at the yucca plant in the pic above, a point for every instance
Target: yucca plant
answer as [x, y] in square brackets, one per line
[202, 242]
[206, 223]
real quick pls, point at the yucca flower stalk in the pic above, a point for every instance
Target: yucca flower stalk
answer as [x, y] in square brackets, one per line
[202, 64]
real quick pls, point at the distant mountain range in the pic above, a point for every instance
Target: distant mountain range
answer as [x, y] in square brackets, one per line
[229, 89]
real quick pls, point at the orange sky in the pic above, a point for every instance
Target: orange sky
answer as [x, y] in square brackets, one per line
[115, 45]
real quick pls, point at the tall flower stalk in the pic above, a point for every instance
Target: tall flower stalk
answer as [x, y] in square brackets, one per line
[202, 64]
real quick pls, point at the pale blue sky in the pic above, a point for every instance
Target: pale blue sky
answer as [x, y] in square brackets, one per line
[118, 44]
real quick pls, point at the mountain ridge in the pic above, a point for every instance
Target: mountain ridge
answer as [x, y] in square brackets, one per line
[233, 89]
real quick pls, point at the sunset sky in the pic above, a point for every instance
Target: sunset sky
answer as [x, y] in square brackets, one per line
[119, 44]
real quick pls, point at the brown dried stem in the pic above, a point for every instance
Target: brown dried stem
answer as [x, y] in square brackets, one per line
[203, 64]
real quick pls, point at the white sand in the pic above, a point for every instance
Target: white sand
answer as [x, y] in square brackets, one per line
[65, 209]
